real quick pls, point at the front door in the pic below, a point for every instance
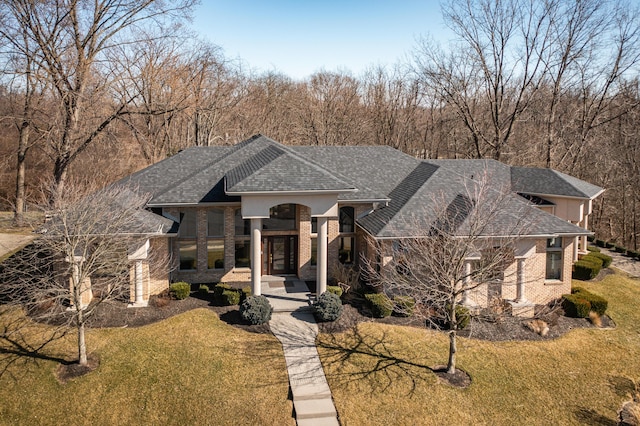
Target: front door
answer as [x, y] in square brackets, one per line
[280, 254]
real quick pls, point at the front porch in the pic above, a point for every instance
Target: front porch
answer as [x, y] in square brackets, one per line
[286, 293]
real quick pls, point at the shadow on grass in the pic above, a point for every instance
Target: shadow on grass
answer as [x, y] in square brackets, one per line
[19, 349]
[363, 357]
[592, 417]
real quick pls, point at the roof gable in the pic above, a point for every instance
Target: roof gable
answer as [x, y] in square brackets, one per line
[537, 181]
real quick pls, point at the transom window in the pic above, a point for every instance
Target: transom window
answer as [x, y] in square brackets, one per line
[281, 218]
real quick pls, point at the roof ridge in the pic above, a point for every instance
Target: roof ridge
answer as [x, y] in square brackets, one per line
[341, 178]
[235, 148]
[252, 164]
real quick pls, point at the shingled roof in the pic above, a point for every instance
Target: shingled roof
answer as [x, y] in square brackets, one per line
[404, 188]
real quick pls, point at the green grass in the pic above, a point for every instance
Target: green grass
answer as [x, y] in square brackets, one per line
[378, 374]
[189, 369]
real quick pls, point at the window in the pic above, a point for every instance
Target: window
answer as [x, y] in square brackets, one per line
[243, 226]
[554, 259]
[215, 239]
[346, 220]
[188, 224]
[188, 255]
[242, 241]
[187, 247]
[215, 254]
[314, 225]
[281, 218]
[243, 254]
[314, 252]
[215, 223]
[346, 252]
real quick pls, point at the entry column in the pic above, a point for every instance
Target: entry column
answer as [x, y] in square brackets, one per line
[321, 272]
[256, 256]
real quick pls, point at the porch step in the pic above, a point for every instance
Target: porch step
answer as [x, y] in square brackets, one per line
[315, 409]
[323, 421]
[285, 309]
[311, 391]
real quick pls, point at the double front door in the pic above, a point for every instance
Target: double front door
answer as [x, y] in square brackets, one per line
[280, 254]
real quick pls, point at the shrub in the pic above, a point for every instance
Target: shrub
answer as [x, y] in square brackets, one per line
[598, 304]
[463, 317]
[590, 238]
[203, 289]
[575, 306]
[256, 310]
[246, 292]
[403, 306]
[593, 249]
[585, 270]
[632, 253]
[380, 304]
[619, 249]
[609, 245]
[218, 289]
[180, 290]
[230, 297]
[600, 243]
[606, 259]
[593, 258]
[335, 290]
[328, 307]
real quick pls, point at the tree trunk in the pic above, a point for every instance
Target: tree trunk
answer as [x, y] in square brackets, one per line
[82, 346]
[451, 364]
[20, 175]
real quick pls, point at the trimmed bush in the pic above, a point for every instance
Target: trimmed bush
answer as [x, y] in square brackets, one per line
[590, 238]
[328, 307]
[575, 306]
[598, 304]
[218, 289]
[463, 317]
[256, 310]
[230, 297]
[203, 289]
[600, 243]
[379, 304]
[585, 270]
[337, 290]
[593, 249]
[609, 245]
[606, 259]
[403, 306]
[246, 292]
[180, 290]
[619, 249]
[593, 258]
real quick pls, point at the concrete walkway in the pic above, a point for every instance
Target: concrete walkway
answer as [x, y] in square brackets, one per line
[624, 263]
[297, 330]
[10, 243]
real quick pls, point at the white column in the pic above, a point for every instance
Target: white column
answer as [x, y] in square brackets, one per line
[466, 282]
[520, 297]
[256, 257]
[585, 224]
[321, 271]
[139, 300]
[575, 248]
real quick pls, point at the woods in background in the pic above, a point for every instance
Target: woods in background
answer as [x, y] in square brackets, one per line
[105, 90]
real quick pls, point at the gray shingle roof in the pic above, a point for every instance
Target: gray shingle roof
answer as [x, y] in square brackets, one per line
[357, 173]
[276, 170]
[535, 181]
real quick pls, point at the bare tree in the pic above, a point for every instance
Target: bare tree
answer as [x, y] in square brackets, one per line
[455, 247]
[71, 43]
[81, 258]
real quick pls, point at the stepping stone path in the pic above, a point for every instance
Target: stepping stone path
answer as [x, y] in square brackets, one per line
[297, 331]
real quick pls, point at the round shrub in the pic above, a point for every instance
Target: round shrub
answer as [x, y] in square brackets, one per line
[403, 306]
[379, 304]
[203, 289]
[180, 290]
[256, 310]
[230, 297]
[585, 270]
[246, 292]
[593, 249]
[328, 307]
[337, 290]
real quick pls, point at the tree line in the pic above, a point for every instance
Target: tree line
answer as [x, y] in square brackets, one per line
[103, 89]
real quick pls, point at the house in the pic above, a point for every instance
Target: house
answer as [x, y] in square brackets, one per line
[261, 208]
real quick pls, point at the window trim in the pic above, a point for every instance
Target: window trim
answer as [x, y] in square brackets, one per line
[554, 248]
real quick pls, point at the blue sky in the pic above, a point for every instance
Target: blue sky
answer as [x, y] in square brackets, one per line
[301, 37]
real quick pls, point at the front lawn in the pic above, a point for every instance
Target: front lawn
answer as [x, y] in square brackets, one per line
[188, 369]
[379, 376]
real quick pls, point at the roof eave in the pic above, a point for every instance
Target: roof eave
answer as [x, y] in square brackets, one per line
[304, 192]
